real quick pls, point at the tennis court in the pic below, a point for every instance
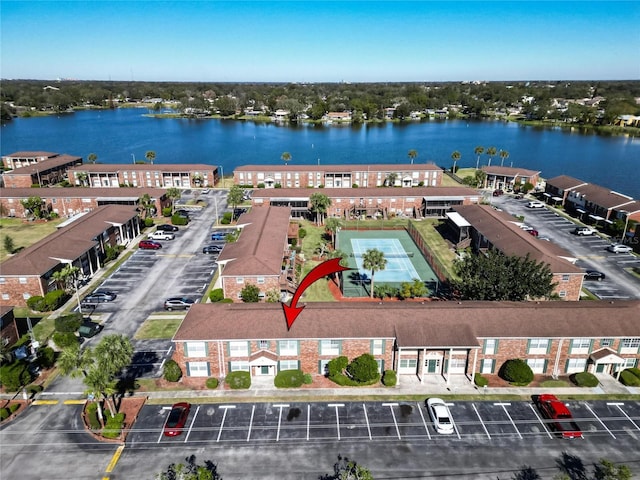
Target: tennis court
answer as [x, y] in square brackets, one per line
[405, 262]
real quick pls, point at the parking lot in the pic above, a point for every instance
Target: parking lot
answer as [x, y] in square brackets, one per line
[475, 422]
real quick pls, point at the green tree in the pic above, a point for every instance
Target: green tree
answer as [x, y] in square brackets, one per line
[364, 368]
[480, 177]
[455, 156]
[373, 259]
[607, 470]
[35, 206]
[150, 156]
[413, 154]
[190, 471]
[478, 151]
[497, 277]
[491, 151]
[286, 157]
[147, 203]
[65, 277]
[391, 179]
[9, 244]
[83, 178]
[92, 158]
[333, 225]
[503, 156]
[74, 360]
[173, 194]
[319, 203]
[235, 195]
[250, 294]
[345, 469]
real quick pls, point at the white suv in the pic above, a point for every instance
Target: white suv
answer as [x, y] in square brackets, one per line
[159, 235]
[583, 231]
[534, 204]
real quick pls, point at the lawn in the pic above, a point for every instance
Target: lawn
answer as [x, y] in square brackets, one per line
[158, 328]
[24, 233]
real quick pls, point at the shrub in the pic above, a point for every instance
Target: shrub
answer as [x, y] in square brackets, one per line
[14, 407]
[226, 300]
[36, 303]
[389, 379]
[178, 220]
[216, 295]
[33, 389]
[226, 218]
[68, 323]
[113, 425]
[92, 416]
[250, 294]
[166, 212]
[4, 414]
[635, 371]
[480, 381]
[260, 185]
[289, 379]
[46, 357]
[14, 375]
[172, 371]
[629, 379]
[54, 299]
[363, 368]
[344, 381]
[307, 379]
[238, 380]
[64, 339]
[516, 371]
[211, 383]
[302, 233]
[585, 379]
[337, 365]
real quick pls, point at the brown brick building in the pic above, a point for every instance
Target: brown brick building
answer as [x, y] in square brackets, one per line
[22, 159]
[67, 202]
[44, 172]
[81, 241]
[509, 178]
[437, 338]
[338, 176]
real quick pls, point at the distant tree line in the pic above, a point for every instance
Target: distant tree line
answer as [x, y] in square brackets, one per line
[365, 100]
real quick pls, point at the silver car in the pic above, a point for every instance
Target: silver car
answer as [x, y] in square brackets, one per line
[619, 248]
[440, 416]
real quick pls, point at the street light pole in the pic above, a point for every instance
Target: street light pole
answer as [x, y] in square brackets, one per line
[222, 176]
[134, 158]
[626, 224]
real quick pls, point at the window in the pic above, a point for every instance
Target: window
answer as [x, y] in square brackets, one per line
[26, 296]
[288, 365]
[239, 280]
[538, 345]
[487, 365]
[239, 366]
[323, 367]
[629, 363]
[238, 349]
[263, 344]
[380, 363]
[580, 345]
[197, 369]
[195, 349]
[3, 280]
[565, 278]
[575, 365]
[288, 347]
[260, 280]
[330, 347]
[490, 346]
[408, 363]
[377, 347]
[5, 296]
[23, 280]
[606, 342]
[562, 293]
[538, 365]
[630, 343]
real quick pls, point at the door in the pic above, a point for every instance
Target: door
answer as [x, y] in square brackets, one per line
[433, 365]
[600, 368]
[264, 370]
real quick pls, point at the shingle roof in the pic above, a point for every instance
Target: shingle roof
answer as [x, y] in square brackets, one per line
[499, 228]
[27, 154]
[378, 192]
[602, 196]
[82, 192]
[69, 242]
[432, 324]
[260, 247]
[44, 165]
[157, 167]
[564, 182]
[509, 171]
[339, 168]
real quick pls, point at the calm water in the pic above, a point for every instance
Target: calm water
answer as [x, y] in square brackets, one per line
[117, 136]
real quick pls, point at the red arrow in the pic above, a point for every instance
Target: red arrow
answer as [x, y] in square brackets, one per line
[292, 311]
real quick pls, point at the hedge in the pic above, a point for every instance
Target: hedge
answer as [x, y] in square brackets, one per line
[212, 383]
[14, 375]
[64, 339]
[172, 371]
[635, 371]
[307, 379]
[36, 303]
[179, 220]
[238, 380]
[55, 299]
[289, 379]
[363, 368]
[480, 381]
[68, 323]
[344, 381]
[629, 379]
[216, 295]
[337, 365]
[113, 425]
[92, 416]
[389, 378]
[517, 372]
[585, 379]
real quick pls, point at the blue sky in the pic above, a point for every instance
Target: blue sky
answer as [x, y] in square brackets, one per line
[309, 41]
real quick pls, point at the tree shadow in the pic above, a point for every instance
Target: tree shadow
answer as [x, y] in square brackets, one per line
[572, 465]
[343, 466]
[527, 473]
[190, 469]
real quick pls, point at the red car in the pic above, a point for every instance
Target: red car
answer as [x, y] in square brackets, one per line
[176, 419]
[149, 245]
[561, 419]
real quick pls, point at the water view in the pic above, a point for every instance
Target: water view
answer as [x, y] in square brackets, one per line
[124, 135]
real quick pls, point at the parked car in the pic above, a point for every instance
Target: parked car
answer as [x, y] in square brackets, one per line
[562, 421]
[182, 212]
[149, 245]
[530, 230]
[619, 248]
[165, 227]
[99, 297]
[498, 192]
[212, 249]
[440, 416]
[534, 204]
[160, 235]
[583, 231]
[218, 236]
[89, 329]
[594, 275]
[178, 303]
[177, 419]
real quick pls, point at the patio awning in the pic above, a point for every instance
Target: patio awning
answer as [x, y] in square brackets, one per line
[597, 218]
[556, 199]
[457, 219]
[546, 194]
[579, 210]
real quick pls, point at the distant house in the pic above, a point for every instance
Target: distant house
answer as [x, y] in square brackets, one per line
[338, 116]
[505, 178]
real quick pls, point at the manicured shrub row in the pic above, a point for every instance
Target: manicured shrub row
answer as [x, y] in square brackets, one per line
[629, 379]
[212, 383]
[172, 371]
[635, 371]
[51, 301]
[113, 425]
[480, 381]
[14, 375]
[389, 378]
[344, 381]
[517, 372]
[238, 380]
[178, 220]
[6, 412]
[585, 379]
[289, 379]
[92, 416]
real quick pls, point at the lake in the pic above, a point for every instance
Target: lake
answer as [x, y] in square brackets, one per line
[122, 135]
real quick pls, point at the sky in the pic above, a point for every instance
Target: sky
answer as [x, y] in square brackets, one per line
[310, 41]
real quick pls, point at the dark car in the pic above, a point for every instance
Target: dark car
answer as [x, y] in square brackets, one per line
[497, 192]
[176, 419]
[182, 213]
[89, 329]
[594, 275]
[178, 303]
[99, 297]
[149, 245]
[212, 249]
[562, 421]
[165, 227]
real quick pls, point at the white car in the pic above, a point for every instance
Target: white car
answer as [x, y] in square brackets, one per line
[160, 235]
[440, 416]
[619, 248]
[534, 204]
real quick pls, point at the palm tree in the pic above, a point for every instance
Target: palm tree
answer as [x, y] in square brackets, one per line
[373, 259]
[173, 194]
[333, 225]
[113, 353]
[102, 385]
[491, 151]
[74, 360]
[343, 261]
[319, 203]
[150, 156]
[286, 156]
[503, 156]
[391, 179]
[455, 156]
[82, 178]
[92, 158]
[478, 151]
[412, 155]
[147, 204]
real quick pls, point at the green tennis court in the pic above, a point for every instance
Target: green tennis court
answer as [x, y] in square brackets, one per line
[405, 262]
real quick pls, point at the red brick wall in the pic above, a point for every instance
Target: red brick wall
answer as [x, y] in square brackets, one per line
[15, 290]
[232, 288]
[18, 181]
[572, 287]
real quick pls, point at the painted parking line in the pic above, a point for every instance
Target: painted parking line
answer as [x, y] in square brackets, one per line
[280, 406]
[75, 402]
[481, 421]
[393, 414]
[619, 406]
[544, 426]
[224, 416]
[601, 422]
[186, 437]
[308, 419]
[424, 422]
[366, 418]
[337, 405]
[114, 459]
[253, 411]
[44, 402]
[504, 407]
[455, 426]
